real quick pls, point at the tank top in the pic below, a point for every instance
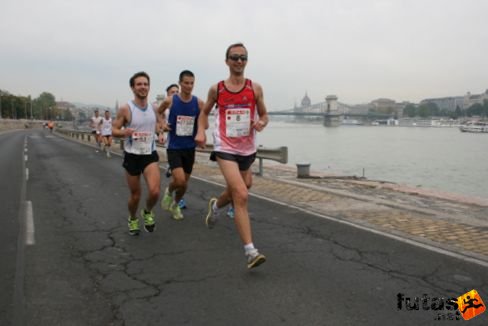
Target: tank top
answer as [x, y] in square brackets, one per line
[106, 126]
[143, 121]
[96, 123]
[235, 113]
[183, 117]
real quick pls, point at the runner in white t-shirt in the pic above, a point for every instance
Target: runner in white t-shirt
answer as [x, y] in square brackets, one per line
[95, 122]
[106, 130]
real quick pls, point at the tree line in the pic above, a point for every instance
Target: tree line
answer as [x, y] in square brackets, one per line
[43, 107]
[431, 109]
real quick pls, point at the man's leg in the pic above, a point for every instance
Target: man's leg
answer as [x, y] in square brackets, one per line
[152, 175]
[238, 183]
[178, 186]
[237, 191]
[135, 194]
[133, 181]
[178, 183]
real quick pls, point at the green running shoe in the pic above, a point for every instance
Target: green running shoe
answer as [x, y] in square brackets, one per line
[167, 200]
[176, 212]
[133, 226]
[149, 224]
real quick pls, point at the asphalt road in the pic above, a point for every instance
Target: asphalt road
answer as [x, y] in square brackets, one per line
[77, 265]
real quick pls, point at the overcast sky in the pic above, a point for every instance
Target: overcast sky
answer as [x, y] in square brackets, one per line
[360, 50]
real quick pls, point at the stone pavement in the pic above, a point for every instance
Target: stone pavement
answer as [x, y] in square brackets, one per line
[446, 221]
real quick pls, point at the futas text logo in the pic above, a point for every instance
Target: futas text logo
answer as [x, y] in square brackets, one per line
[444, 308]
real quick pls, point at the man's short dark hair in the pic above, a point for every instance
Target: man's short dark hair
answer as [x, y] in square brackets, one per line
[139, 74]
[171, 86]
[187, 73]
[235, 45]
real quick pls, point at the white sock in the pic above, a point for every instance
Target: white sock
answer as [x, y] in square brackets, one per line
[249, 248]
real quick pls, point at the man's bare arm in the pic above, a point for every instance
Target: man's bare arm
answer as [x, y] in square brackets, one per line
[120, 120]
[262, 112]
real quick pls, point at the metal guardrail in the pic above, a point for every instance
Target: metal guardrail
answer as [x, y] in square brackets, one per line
[278, 154]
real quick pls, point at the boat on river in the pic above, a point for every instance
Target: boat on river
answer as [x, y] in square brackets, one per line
[474, 126]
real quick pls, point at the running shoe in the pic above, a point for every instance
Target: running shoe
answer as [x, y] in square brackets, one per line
[149, 224]
[182, 203]
[108, 154]
[167, 200]
[133, 226]
[230, 212]
[254, 259]
[176, 212]
[211, 218]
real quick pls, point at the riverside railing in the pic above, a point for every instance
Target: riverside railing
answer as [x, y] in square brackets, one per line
[278, 154]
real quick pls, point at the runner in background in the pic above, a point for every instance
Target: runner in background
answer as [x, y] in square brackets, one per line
[95, 122]
[181, 124]
[106, 131]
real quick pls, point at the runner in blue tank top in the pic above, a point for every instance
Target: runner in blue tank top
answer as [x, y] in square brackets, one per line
[184, 109]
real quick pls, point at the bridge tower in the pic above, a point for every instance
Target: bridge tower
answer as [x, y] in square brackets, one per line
[331, 114]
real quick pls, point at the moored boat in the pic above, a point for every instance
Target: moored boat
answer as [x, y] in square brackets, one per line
[474, 126]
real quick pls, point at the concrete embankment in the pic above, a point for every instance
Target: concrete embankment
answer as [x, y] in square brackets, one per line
[449, 223]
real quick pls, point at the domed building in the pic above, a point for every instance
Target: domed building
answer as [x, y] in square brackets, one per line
[306, 102]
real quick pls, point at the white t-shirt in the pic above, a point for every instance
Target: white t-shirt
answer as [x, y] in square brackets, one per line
[106, 126]
[96, 123]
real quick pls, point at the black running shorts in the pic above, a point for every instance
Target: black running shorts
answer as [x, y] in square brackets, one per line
[181, 158]
[135, 164]
[244, 162]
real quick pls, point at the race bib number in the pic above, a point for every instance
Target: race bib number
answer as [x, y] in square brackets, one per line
[142, 142]
[237, 122]
[184, 125]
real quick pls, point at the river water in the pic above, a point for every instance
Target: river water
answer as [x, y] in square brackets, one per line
[432, 158]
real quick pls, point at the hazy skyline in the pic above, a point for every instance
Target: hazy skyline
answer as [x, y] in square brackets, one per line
[360, 50]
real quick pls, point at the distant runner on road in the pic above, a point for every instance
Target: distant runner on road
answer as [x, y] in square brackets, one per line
[95, 122]
[106, 130]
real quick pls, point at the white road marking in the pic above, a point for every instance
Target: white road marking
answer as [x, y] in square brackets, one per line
[26, 174]
[29, 224]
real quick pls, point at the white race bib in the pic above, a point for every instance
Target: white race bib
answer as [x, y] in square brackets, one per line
[185, 125]
[142, 142]
[237, 122]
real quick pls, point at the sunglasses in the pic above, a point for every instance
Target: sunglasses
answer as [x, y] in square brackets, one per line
[236, 57]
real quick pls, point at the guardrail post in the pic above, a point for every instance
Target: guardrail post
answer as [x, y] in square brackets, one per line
[260, 173]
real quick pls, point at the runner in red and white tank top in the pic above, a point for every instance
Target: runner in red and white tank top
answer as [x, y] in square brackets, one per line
[236, 111]
[240, 113]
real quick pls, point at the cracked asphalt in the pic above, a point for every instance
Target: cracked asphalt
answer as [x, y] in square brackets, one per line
[84, 269]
